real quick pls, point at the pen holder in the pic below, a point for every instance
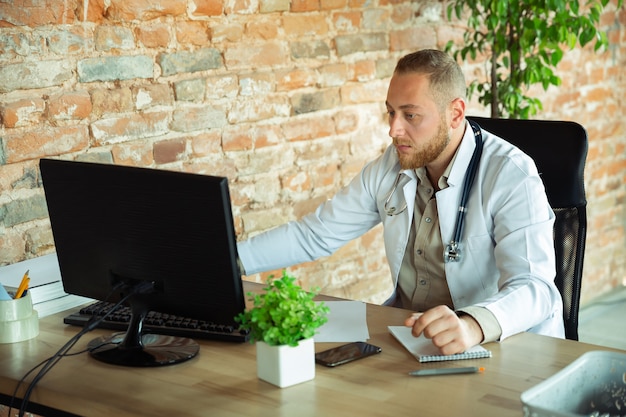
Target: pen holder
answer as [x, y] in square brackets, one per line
[18, 320]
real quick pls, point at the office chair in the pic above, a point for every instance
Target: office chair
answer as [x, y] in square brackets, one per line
[559, 149]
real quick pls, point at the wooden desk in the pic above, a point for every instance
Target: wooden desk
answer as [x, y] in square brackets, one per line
[222, 380]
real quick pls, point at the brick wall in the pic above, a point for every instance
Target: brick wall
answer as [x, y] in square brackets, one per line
[285, 98]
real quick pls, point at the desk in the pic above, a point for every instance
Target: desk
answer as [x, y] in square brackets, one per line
[221, 380]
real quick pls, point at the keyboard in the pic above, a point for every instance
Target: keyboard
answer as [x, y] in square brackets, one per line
[159, 323]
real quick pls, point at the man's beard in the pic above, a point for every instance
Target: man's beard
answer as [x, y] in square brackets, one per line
[433, 149]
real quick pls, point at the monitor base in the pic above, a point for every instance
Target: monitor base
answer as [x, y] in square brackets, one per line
[154, 350]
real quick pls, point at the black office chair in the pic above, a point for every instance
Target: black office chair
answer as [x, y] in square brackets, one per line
[559, 149]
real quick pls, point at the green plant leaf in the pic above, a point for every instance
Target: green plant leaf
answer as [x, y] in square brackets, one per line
[284, 314]
[527, 40]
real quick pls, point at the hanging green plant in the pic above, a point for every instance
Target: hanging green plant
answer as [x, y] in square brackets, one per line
[284, 314]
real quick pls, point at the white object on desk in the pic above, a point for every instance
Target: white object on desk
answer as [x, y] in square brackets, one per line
[46, 287]
[424, 350]
[18, 320]
[347, 322]
[4, 295]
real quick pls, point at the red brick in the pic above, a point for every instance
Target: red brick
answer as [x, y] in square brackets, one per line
[221, 167]
[245, 137]
[333, 75]
[13, 174]
[144, 9]
[137, 153]
[208, 143]
[402, 14]
[23, 112]
[262, 28]
[119, 100]
[69, 106]
[298, 129]
[296, 182]
[294, 79]
[152, 95]
[153, 36]
[364, 70]
[45, 142]
[74, 41]
[599, 94]
[239, 7]
[192, 33]
[333, 4]
[207, 7]
[347, 21]
[371, 92]
[36, 13]
[412, 39]
[167, 151]
[227, 32]
[12, 244]
[267, 135]
[266, 54]
[129, 127]
[305, 25]
[325, 176]
[346, 121]
[305, 5]
[93, 13]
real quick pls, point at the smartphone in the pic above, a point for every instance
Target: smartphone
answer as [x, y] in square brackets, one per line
[346, 353]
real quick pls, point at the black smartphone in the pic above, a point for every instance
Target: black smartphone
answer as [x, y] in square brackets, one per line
[346, 353]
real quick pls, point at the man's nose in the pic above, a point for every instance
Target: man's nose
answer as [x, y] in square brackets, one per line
[396, 127]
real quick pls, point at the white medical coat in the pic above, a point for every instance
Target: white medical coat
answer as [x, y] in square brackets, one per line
[507, 263]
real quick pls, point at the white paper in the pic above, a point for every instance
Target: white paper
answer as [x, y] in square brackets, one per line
[424, 350]
[41, 270]
[347, 322]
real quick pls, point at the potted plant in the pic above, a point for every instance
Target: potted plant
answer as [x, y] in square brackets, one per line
[282, 322]
[522, 43]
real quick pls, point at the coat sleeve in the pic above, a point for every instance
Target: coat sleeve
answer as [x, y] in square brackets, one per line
[349, 214]
[520, 290]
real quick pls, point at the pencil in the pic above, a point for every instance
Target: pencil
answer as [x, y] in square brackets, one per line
[23, 286]
[446, 371]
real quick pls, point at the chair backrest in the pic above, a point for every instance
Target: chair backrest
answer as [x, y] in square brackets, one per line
[559, 149]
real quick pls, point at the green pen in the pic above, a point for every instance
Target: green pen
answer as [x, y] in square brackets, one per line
[446, 371]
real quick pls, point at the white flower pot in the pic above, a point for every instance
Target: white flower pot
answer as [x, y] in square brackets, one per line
[286, 365]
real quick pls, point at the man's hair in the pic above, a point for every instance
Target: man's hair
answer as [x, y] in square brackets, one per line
[445, 75]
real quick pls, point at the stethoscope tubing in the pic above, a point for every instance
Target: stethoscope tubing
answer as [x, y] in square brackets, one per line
[468, 181]
[452, 252]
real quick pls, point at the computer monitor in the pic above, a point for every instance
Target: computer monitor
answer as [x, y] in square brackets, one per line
[129, 228]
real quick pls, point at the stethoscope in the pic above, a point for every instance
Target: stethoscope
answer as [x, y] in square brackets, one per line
[452, 252]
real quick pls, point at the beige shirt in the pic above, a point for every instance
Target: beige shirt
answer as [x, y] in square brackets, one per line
[422, 282]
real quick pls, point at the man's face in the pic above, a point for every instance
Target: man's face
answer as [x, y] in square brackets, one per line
[419, 131]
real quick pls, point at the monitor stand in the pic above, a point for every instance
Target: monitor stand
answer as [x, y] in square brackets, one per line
[135, 349]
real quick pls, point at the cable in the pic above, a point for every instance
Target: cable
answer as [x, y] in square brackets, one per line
[142, 287]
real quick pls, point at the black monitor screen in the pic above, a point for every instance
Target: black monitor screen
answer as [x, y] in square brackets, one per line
[118, 224]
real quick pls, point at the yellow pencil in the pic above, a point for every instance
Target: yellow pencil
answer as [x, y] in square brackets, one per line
[23, 286]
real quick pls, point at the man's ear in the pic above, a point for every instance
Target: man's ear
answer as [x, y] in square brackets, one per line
[457, 112]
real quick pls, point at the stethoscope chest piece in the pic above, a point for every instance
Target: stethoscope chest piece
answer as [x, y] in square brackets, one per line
[452, 253]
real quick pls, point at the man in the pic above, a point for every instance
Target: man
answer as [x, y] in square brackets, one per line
[501, 282]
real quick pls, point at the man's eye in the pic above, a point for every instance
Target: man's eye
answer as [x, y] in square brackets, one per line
[391, 113]
[410, 116]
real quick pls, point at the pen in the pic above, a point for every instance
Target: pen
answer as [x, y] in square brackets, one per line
[446, 371]
[23, 286]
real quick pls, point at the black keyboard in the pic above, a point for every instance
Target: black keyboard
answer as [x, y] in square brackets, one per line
[160, 323]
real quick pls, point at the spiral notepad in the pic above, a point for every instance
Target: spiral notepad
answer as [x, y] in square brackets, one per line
[424, 350]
